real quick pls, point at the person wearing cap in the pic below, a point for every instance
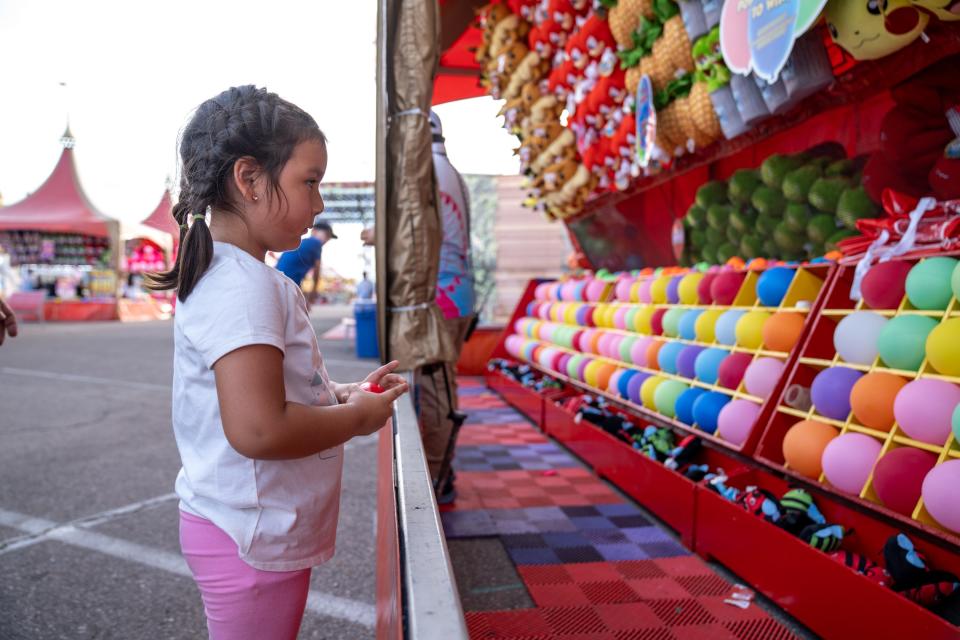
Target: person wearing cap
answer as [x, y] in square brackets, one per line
[306, 258]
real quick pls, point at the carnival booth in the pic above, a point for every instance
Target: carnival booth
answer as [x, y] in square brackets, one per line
[69, 254]
[762, 344]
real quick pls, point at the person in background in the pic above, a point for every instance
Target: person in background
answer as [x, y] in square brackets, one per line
[306, 258]
[8, 321]
[437, 383]
[365, 288]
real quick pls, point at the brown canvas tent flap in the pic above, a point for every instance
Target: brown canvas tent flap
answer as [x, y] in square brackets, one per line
[409, 219]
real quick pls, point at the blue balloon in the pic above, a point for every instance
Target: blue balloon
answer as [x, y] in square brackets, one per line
[532, 308]
[686, 361]
[773, 285]
[578, 290]
[684, 406]
[582, 316]
[633, 387]
[706, 409]
[667, 356]
[726, 327]
[707, 366]
[623, 385]
[688, 324]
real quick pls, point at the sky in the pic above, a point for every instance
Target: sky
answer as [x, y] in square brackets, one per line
[135, 70]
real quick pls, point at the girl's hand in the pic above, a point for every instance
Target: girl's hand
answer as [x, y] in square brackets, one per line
[374, 409]
[385, 377]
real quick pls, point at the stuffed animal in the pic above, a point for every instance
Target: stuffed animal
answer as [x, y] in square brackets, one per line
[871, 29]
[501, 69]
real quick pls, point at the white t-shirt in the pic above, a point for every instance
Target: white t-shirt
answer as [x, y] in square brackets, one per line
[281, 513]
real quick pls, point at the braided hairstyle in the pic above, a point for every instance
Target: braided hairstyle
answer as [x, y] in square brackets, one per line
[240, 122]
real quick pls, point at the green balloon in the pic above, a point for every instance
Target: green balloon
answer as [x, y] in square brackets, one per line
[671, 322]
[702, 267]
[955, 281]
[902, 341]
[665, 396]
[573, 366]
[928, 283]
[657, 272]
[626, 346]
[956, 423]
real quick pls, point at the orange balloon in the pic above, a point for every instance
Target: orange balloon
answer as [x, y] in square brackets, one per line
[652, 352]
[604, 373]
[782, 331]
[595, 342]
[871, 399]
[804, 444]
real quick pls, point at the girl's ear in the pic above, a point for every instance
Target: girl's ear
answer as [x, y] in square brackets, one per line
[247, 179]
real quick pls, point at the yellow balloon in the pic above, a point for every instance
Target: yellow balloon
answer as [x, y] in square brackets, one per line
[749, 330]
[600, 315]
[648, 389]
[943, 348]
[591, 371]
[706, 324]
[688, 288]
[642, 320]
[658, 290]
[635, 292]
[570, 313]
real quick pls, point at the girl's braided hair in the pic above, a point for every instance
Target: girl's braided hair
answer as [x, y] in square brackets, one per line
[240, 122]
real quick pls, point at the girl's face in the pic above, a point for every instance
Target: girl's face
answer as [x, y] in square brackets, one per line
[291, 215]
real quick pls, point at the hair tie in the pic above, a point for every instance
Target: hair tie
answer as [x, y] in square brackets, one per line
[199, 216]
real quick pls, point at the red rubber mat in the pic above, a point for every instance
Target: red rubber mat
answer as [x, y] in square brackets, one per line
[569, 559]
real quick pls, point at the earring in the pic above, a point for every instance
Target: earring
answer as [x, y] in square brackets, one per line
[255, 197]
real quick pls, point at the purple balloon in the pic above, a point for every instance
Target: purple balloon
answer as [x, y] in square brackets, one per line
[633, 387]
[831, 389]
[673, 289]
[686, 361]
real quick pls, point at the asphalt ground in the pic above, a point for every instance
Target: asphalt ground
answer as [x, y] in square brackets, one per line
[88, 520]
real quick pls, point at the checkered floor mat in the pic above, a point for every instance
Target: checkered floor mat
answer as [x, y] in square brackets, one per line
[595, 566]
[497, 457]
[508, 435]
[564, 487]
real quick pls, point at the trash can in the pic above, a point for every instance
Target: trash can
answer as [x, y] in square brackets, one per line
[365, 316]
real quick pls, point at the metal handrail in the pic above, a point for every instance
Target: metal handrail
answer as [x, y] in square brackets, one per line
[431, 602]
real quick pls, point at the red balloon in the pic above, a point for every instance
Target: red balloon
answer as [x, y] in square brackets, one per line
[725, 288]
[732, 369]
[898, 478]
[703, 288]
[883, 286]
[656, 322]
[589, 317]
[575, 341]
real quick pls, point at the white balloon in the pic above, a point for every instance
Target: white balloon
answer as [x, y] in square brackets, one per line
[855, 337]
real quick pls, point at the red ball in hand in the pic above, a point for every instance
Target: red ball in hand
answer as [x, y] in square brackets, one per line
[371, 387]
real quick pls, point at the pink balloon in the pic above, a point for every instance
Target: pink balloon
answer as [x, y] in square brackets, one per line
[613, 349]
[736, 420]
[924, 408]
[514, 345]
[638, 352]
[762, 376]
[733, 37]
[603, 346]
[567, 290]
[623, 289]
[644, 290]
[848, 459]
[541, 292]
[620, 317]
[940, 494]
[595, 289]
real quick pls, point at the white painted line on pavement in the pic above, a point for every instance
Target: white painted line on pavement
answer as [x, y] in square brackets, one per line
[68, 377]
[319, 603]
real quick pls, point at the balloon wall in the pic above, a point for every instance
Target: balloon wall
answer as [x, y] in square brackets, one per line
[703, 348]
[883, 376]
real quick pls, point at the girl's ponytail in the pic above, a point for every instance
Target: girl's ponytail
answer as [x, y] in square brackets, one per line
[195, 250]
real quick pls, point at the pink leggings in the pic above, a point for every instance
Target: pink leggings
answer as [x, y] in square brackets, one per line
[241, 603]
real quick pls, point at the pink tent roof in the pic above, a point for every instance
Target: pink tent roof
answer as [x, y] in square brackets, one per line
[162, 218]
[59, 205]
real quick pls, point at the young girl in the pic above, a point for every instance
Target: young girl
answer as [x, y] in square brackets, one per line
[259, 424]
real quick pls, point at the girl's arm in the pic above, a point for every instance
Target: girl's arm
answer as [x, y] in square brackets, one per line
[259, 422]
